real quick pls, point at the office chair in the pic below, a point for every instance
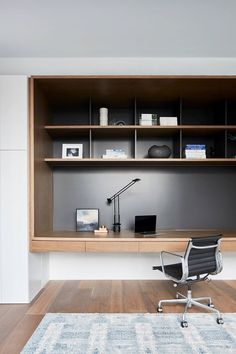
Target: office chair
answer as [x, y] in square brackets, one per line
[202, 257]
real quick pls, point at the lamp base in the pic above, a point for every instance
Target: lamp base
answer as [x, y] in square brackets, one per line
[116, 227]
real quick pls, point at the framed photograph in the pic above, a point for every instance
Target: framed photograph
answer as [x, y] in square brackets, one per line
[87, 219]
[72, 151]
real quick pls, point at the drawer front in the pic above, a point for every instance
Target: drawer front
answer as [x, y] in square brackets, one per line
[57, 246]
[159, 246]
[111, 246]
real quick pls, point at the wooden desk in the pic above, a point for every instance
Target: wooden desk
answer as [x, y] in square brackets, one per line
[125, 241]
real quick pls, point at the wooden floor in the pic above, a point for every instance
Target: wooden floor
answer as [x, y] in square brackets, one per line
[17, 322]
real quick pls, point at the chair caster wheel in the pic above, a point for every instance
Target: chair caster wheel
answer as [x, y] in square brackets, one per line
[220, 320]
[184, 324]
[211, 305]
[159, 309]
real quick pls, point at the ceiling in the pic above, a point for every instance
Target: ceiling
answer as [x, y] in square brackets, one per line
[124, 28]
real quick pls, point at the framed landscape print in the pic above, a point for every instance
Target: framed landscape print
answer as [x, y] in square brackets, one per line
[87, 219]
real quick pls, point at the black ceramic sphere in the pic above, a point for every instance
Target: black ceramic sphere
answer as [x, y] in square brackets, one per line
[158, 152]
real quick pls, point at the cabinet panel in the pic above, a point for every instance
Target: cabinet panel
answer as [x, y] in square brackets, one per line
[203, 112]
[13, 112]
[13, 226]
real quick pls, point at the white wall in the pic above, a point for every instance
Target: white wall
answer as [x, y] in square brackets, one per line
[119, 266]
[117, 66]
[111, 266]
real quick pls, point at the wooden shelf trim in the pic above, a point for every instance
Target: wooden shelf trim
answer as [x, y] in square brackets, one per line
[67, 128]
[142, 162]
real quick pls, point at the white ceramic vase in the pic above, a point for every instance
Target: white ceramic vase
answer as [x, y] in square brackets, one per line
[103, 118]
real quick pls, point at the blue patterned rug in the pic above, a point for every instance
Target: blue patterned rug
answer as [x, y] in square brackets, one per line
[60, 333]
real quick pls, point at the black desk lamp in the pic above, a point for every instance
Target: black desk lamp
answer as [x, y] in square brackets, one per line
[116, 198]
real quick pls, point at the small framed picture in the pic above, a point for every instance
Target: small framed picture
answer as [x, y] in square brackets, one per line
[72, 151]
[87, 219]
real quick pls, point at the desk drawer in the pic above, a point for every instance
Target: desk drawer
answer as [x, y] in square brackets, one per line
[57, 246]
[111, 246]
[158, 246]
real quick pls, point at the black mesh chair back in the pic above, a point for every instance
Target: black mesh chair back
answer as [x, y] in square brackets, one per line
[203, 260]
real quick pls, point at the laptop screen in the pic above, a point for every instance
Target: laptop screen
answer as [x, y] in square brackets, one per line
[145, 224]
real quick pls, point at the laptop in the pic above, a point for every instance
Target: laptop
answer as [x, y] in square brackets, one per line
[145, 224]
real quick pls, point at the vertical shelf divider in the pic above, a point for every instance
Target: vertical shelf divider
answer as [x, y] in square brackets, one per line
[90, 144]
[135, 111]
[181, 130]
[135, 131]
[135, 143]
[90, 130]
[90, 110]
[226, 131]
[181, 111]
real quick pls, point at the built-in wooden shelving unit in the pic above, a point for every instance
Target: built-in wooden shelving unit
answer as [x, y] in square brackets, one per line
[65, 110]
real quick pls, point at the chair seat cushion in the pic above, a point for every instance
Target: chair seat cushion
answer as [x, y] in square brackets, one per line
[173, 270]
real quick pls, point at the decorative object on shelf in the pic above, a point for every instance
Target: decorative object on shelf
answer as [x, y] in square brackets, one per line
[87, 219]
[119, 122]
[195, 151]
[101, 230]
[162, 151]
[148, 119]
[115, 154]
[116, 209]
[103, 117]
[168, 121]
[72, 151]
[231, 137]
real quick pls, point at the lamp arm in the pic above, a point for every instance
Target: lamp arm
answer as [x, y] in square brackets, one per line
[116, 198]
[122, 190]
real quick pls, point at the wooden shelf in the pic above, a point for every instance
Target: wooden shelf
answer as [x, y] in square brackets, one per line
[141, 162]
[58, 130]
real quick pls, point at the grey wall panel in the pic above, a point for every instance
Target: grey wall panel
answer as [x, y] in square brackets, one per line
[193, 197]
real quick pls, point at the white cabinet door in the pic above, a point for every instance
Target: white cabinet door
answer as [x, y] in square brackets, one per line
[13, 112]
[13, 227]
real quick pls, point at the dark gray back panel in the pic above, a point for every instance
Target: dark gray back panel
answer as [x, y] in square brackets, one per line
[193, 197]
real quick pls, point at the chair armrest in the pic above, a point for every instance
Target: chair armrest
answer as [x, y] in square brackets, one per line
[163, 253]
[172, 254]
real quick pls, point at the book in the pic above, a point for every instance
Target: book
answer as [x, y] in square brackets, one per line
[122, 156]
[195, 147]
[115, 152]
[168, 121]
[195, 156]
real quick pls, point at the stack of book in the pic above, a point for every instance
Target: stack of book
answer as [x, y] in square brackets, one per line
[168, 121]
[148, 119]
[114, 154]
[195, 151]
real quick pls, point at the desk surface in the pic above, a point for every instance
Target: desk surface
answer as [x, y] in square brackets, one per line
[125, 241]
[127, 235]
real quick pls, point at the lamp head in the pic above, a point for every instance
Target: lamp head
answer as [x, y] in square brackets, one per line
[136, 179]
[109, 200]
